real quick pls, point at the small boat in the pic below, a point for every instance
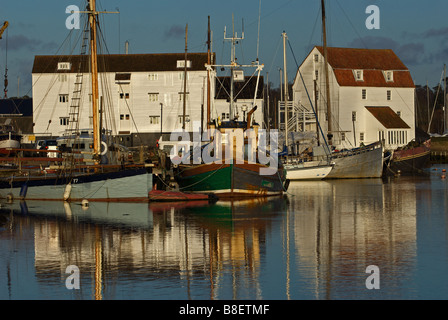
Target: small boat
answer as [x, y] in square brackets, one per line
[172, 196]
[9, 139]
[312, 170]
[410, 159]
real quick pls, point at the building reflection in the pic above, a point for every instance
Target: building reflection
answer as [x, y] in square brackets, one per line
[342, 226]
[181, 243]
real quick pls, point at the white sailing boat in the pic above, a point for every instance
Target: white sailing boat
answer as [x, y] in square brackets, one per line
[297, 168]
[94, 182]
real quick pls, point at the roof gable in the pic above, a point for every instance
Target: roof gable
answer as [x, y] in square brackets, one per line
[373, 62]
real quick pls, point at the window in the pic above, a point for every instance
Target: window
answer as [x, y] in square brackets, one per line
[124, 95]
[153, 77]
[63, 98]
[64, 66]
[316, 75]
[364, 94]
[353, 115]
[361, 136]
[154, 119]
[223, 115]
[153, 97]
[316, 58]
[399, 113]
[343, 136]
[389, 95]
[389, 76]
[63, 77]
[181, 64]
[181, 76]
[359, 75]
[124, 117]
[64, 121]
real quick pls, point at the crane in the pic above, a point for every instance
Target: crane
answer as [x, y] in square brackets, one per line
[3, 28]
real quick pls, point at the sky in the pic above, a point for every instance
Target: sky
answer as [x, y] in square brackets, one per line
[416, 30]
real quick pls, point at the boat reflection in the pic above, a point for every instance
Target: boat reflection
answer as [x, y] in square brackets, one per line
[340, 227]
[122, 243]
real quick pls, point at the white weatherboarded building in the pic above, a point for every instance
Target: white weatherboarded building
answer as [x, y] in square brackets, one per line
[141, 94]
[371, 96]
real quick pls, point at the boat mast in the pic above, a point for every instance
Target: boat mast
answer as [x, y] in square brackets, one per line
[93, 15]
[185, 79]
[329, 115]
[444, 101]
[233, 63]
[285, 83]
[208, 73]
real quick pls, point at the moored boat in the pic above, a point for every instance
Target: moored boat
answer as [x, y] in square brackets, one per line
[410, 159]
[129, 185]
[308, 171]
[9, 139]
[99, 181]
[232, 180]
[362, 162]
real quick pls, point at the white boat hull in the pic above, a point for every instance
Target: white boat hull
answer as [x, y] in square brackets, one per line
[297, 172]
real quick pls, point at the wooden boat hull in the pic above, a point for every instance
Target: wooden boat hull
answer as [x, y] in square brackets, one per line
[409, 161]
[121, 186]
[231, 180]
[365, 162]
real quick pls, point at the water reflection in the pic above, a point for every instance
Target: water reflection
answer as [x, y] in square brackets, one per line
[315, 243]
[171, 245]
[341, 227]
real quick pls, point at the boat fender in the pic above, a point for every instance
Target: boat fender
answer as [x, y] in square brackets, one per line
[9, 198]
[68, 190]
[85, 203]
[105, 148]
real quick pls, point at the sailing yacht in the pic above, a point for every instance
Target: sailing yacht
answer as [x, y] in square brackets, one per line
[300, 167]
[96, 181]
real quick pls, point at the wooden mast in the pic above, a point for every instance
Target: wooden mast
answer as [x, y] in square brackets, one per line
[208, 73]
[185, 79]
[94, 69]
[327, 82]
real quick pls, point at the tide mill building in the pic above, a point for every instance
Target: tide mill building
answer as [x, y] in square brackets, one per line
[141, 94]
[371, 96]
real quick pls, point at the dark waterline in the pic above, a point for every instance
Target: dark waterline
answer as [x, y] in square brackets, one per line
[313, 244]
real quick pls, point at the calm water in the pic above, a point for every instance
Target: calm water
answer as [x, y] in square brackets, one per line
[315, 243]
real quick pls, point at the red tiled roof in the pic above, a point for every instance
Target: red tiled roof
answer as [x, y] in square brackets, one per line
[388, 118]
[373, 62]
[122, 62]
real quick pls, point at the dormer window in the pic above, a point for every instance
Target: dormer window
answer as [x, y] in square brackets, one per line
[389, 76]
[64, 66]
[359, 76]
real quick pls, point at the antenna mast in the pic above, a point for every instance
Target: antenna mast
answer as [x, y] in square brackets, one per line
[234, 40]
